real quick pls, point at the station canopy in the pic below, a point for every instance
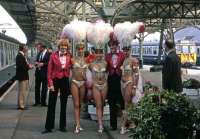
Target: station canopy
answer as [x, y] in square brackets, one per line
[189, 33]
[44, 19]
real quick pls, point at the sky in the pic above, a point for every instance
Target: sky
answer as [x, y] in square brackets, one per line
[12, 29]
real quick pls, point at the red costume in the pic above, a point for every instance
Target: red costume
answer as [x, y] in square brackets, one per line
[90, 58]
[115, 69]
[55, 70]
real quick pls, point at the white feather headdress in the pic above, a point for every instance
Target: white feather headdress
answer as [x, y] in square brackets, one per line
[98, 34]
[77, 30]
[125, 32]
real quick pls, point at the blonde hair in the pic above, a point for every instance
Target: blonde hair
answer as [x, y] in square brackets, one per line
[63, 42]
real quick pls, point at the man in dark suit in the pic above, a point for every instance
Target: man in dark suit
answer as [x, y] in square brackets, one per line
[171, 72]
[41, 64]
[22, 76]
[114, 61]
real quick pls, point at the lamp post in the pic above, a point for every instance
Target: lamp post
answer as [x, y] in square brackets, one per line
[141, 39]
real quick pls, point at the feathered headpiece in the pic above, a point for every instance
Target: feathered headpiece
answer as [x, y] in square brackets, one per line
[77, 30]
[113, 42]
[125, 32]
[98, 34]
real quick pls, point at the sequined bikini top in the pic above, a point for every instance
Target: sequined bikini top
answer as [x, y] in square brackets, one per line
[80, 64]
[126, 68]
[99, 69]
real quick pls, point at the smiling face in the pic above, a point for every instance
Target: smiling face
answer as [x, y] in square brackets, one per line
[80, 51]
[63, 45]
[113, 49]
[126, 51]
[135, 64]
[99, 53]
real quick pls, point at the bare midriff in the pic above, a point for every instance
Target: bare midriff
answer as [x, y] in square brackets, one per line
[79, 70]
[127, 71]
[99, 73]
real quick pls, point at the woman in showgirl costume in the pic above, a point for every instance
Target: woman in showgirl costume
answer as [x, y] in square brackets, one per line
[76, 30]
[125, 33]
[78, 83]
[99, 36]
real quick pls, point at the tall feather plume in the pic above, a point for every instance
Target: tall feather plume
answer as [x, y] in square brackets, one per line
[76, 30]
[125, 32]
[98, 34]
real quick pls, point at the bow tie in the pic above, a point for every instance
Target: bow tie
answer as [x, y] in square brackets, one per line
[62, 55]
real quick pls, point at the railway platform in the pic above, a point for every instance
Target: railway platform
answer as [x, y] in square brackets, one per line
[29, 124]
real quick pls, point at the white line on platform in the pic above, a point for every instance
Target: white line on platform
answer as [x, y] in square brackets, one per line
[10, 88]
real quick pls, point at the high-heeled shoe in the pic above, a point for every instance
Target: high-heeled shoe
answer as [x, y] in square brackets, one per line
[78, 129]
[100, 130]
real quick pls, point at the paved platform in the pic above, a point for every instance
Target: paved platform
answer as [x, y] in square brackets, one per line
[28, 124]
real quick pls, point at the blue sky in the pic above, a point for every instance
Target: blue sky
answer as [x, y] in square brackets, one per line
[12, 29]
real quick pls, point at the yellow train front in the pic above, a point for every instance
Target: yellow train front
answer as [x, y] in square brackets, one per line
[187, 50]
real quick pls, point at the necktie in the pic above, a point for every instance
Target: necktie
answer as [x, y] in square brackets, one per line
[41, 55]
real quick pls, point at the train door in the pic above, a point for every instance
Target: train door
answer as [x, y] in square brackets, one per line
[1, 54]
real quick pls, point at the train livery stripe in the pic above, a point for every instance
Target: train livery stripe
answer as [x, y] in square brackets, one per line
[9, 90]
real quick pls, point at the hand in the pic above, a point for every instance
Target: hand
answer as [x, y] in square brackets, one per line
[30, 66]
[40, 64]
[51, 88]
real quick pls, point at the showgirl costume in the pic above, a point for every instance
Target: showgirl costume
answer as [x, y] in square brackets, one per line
[76, 31]
[98, 35]
[99, 74]
[79, 69]
[125, 33]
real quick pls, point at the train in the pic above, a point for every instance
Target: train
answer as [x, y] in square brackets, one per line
[187, 50]
[8, 50]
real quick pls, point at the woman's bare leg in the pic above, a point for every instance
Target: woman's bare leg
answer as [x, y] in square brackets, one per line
[127, 100]
[99, 105]
[76, 101]
[81, 98]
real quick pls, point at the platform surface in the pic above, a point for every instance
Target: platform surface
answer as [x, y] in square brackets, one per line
[28, 124]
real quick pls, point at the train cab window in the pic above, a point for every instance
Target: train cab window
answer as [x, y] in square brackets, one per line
[192, 48]
[198, 51]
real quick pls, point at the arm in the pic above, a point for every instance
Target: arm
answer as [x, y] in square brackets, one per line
[21, 63]
[50, 68]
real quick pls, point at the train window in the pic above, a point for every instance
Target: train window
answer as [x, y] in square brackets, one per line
[185, 49]
[192, 48]
[198, 51]
[150, 50]
[178, 49]
[154, 51]
[145, 50]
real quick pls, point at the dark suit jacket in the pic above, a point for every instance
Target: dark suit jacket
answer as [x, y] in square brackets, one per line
[42, 72]
[22, 68]
[171, 73]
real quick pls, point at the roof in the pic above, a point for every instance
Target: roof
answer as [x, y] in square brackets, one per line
[7, 38]
[23, 12]
[188, 32]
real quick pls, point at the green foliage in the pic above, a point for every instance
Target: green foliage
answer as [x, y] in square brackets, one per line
[163, 115]
[191, 83]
